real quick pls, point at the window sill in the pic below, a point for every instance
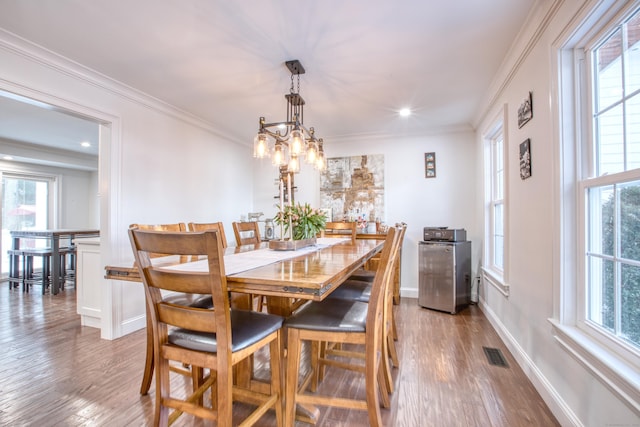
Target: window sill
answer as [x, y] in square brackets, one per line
[495, 281]
[615, 373]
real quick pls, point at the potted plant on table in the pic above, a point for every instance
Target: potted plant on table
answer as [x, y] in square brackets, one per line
[301, 222]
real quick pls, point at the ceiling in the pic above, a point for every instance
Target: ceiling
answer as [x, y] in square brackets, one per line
[223, 61]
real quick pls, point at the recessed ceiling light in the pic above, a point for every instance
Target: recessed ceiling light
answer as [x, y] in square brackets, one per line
[85, 144]
[7, 158]
[405, 112]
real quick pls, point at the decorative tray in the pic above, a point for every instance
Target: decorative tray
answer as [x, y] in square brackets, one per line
[291, 245]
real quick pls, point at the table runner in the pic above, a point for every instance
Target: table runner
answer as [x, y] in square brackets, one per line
[243, 261]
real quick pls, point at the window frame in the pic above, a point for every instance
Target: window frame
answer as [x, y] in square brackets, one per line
[493, 274]
[609, 360]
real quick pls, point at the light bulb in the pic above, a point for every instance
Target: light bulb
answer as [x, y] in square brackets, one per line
[294, 164]
[295, 145]
[260, 147]
[278, 155]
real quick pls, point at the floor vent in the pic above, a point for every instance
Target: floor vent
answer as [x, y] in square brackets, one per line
[495, 357]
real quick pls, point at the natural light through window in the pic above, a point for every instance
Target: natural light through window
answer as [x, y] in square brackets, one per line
[612, 188]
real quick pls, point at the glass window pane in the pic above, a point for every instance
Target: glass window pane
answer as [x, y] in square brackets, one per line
[609, 72]
[24, 207]
[630, 304]
[601, 220]
[498, 230]
[601, 307]
[632, 52]
[610, 141]
[630, 221]
[632, 116]
[498, 259]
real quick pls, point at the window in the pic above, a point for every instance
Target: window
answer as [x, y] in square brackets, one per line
[497, 202]
[26, 205]
[597, 279]
[611, 187]
[495, 215]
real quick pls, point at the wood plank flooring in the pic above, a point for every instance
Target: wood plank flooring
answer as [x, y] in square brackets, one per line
[54, 372]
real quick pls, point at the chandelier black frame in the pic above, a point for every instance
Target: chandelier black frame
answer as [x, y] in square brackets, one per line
[288, 141]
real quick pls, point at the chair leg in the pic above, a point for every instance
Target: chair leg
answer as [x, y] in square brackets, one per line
[225, 403]
[275, 349]
[197, 381]
[293, 367]
[385, 366]
[147, 376]
[393, 352]
[45, 272]
[162, 391]
[316, 353]
[373, 375]
[26, 273]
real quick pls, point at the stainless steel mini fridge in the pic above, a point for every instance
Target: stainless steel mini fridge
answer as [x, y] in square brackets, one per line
[444, 275]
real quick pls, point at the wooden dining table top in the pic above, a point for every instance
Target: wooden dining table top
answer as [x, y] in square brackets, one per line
[310, 276]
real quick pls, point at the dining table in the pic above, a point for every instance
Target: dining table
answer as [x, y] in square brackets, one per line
[53, 237]
[287, 278]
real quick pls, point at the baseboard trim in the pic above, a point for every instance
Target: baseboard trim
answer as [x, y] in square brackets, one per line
[551, 397]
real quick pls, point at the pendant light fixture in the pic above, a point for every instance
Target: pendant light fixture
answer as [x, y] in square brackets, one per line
[289, 141]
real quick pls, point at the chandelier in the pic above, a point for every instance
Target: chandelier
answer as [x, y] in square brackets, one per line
[289, 141]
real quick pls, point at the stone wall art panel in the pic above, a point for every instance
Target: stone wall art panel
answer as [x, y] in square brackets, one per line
[353, 188]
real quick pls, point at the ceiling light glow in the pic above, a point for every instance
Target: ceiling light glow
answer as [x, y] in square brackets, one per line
[405, 112]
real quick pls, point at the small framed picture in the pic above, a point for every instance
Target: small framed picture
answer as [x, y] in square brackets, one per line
[525, 159]
[525, 112]
[430, 165]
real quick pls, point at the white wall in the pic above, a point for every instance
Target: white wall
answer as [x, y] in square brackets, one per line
[575, 396]
[446, 200]
[156, 164]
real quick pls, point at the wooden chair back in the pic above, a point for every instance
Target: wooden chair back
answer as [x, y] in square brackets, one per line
[207, 226]
[175, 227]
[157, 279]
[251, 227]
[340, 229]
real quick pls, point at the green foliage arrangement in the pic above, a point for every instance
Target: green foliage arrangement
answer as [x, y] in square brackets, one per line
[305, 221]
[629, 275]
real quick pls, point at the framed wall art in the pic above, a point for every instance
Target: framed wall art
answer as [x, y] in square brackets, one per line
[525, 112]
[430, 165]
[525, 159]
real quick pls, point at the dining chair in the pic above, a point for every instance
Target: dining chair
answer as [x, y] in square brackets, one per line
[359, 289]
[250, 227]
[216, 338]
[253, 228]
[343, 321]
[340, 229]
[203, 301]
[206, 226]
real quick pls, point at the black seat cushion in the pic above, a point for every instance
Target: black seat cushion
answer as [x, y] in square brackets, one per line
[337, 315]
[364, 275]
[192, 300]
[247, 327]
[355, 290]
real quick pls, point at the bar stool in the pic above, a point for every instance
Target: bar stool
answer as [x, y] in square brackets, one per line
[29, 276]
[15, 260]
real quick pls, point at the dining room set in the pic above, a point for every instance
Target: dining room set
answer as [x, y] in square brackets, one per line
[211, 308]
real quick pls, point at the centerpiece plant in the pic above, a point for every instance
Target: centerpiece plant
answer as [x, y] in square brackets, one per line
[301, 221]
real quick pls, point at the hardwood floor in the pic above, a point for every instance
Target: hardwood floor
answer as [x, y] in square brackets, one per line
[54, 372]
